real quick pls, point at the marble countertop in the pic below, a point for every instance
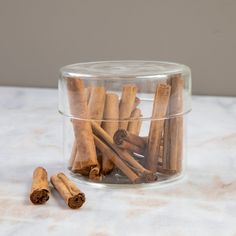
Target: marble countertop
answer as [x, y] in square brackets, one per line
[203, 203]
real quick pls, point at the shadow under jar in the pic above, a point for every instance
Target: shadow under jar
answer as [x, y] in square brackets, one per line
[124, 121]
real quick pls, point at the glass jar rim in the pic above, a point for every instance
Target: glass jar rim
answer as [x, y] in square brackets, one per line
[123, 69]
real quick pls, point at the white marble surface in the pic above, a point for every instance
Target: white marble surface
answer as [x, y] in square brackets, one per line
[204, 203]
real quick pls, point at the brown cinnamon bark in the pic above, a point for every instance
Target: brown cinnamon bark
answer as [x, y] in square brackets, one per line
[94, 174]
[107, 151]
[155, 133]
[110, 125]
[122, 135]
[40, 189]
[132, 148]
[132, 143]
[72, 195]
[96, 103]
[146, 175]
[127, 104]
[166, 171]
[85, 158]
[173, 136]
[134, 123]
[74, 147]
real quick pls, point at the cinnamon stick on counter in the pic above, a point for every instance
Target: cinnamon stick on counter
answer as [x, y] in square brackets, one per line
[86, 158]
[40, 189]
[173, 133]
[127, 104]
[72, 195]
[110, 125]
[156, 128]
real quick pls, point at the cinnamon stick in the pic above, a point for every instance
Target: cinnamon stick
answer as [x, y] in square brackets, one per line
[40, 189]
[85, 158]
[110, 125]
[157, 124]
[94, 174]
[129, 141]
[134, 123]
[72, 195]
[107, 151]
[96, 108]
[74, 147]
[146, 175]
[173, 141]
[126, 104]
[122, 135]
[96, 103]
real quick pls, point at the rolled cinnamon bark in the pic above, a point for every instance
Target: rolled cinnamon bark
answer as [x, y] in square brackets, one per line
[96, 108]
[146, 175]
[96, 103]
[86, 158]
[130, 147]
[122, 135]
[94, 174]
[74, 147]
[134, 123]
[126, 104]
[107, 151]
[156, 128]
[110, 125]
[72, 195]
[176, 123]
[40, 189]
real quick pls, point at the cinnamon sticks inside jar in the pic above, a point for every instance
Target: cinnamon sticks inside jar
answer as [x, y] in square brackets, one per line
[107, 138]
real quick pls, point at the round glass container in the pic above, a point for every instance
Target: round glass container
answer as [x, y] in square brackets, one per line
[124, 121]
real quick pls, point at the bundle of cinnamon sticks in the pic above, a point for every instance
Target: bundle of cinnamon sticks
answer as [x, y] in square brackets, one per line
[106, 132]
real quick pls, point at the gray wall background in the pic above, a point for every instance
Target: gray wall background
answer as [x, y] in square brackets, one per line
[38, 37]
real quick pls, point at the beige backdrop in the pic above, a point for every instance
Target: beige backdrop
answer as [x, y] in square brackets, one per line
[38, 37]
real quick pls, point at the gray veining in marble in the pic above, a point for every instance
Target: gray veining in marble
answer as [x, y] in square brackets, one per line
[204, 203]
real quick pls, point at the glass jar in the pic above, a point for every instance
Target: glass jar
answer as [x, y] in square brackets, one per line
[124, 121]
